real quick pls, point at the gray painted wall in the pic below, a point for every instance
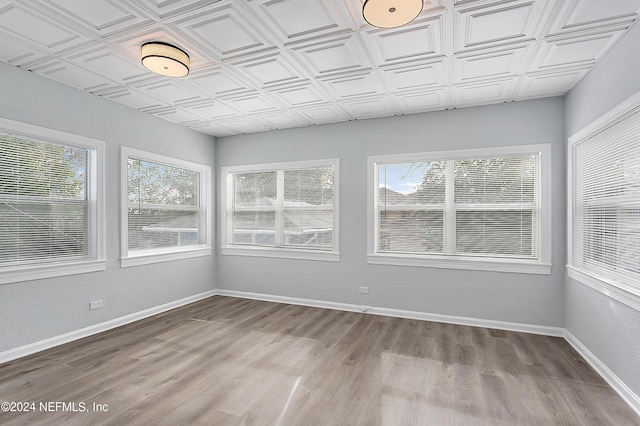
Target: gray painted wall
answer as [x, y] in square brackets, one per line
[520, 298]
[36, 310]
[609, 329]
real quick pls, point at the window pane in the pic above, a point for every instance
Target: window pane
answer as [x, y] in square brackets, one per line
[412, 183]
[411, 207]
[483, 207]
[163, 206]
[308, 207]
[254, 203]
[495, 180]
[411, 231]
[45, 204]
[287, 207]
[606, 209]
[495, 233]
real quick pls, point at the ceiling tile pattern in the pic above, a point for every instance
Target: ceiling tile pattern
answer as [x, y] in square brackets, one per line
[259, 65]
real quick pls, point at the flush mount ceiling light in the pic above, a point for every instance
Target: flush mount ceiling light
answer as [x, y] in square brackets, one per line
[165, 59]
[391, 13]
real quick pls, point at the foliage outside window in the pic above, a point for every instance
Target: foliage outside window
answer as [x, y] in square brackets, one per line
[289, 206]
[166, 206]
[452, 207]
[48, 201]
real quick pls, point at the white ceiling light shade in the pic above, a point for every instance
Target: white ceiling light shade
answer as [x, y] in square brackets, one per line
[165, 59]
[391, 13]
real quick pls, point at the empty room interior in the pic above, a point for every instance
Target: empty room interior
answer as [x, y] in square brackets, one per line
[327, 212]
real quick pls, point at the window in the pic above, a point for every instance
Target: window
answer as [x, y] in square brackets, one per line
[165, 208]
[50, 203]
[282, 210]
[605, 202]
[473, 209]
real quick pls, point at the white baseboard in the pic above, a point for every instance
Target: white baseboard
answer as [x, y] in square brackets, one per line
[399, 313]
[42, 345]
[609, 376]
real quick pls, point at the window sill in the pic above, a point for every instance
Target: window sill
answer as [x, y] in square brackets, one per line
[281, 253]
[466, 263]
[52, 270]
[148, 257]
[629, 297]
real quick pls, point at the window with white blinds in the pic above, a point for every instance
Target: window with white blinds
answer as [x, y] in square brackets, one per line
[459, 208]
[605, 217]
[166, 207]
[281, 210]
[49, 209]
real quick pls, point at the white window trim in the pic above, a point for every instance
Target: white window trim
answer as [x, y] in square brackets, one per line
[542, 265]
[58, 268]
[278, 252]
[145, 257]
[604, 285]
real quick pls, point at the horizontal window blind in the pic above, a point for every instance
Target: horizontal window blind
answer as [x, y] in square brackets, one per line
[254, 206]
[284, 208]
[485, 207]
[47, 201]
[606, 204]
[307, 205]
[163, 206]
[411, 207]
[495, 202]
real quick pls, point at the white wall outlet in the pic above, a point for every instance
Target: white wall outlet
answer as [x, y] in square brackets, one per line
[96, 304]
[363, 290]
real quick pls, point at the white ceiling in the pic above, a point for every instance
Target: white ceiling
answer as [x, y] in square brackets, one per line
[258, 65]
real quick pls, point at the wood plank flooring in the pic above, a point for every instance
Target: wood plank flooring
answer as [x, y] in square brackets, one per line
[228, 361]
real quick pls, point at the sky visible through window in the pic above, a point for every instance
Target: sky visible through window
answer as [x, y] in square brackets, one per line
[402, 177]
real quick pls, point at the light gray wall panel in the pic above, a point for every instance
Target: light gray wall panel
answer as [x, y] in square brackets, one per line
[609, 329]
[41, 309]
[521, 298]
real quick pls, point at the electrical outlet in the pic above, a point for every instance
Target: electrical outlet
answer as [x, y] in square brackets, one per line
[97, 304]
[363, 290]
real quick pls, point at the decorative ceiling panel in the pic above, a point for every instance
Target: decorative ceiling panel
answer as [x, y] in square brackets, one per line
[131, 98]
[293, 21]
[270, 70]
[369, 107]
[37, 29]
[73, 75]
[414, 76]
[209, 110]
[484, 92]
[224, 29]
[257, 65]
[18, 53]
[420, 40]
[411, 102]
[489, 64]
[577, 15]
[541, 84]
[102, 17]
[300, 95]
[497, 23]
[344, 54]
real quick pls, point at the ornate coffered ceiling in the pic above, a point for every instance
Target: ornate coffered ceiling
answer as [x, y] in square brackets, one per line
[258, 65]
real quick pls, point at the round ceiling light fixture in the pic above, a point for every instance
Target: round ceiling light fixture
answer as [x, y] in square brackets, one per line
[165, 59]
[391, 13]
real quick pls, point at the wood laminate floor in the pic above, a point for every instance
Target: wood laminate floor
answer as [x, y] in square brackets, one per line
[228, 361]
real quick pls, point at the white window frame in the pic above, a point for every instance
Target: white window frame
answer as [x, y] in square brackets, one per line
[540, 265]
[165, 254]
[228, 248]
[58, 268]
[603, 284]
